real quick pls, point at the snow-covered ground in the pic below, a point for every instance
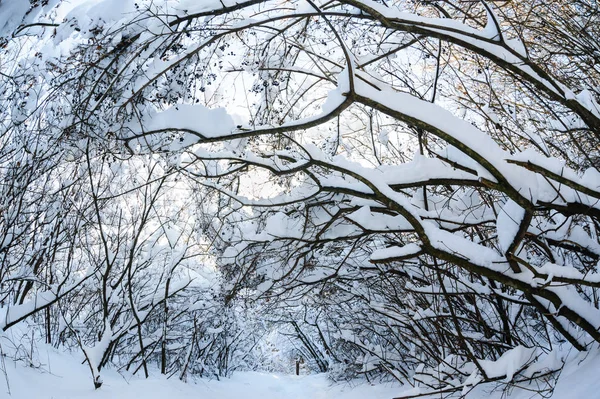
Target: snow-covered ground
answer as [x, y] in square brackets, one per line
[62, 376]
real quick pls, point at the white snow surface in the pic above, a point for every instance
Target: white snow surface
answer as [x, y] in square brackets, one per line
[395, 252]
[63, 376]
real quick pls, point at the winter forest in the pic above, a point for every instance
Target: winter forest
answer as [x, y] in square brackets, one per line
[397, 192]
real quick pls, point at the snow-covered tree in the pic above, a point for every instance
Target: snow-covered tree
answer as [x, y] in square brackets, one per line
[418, 178]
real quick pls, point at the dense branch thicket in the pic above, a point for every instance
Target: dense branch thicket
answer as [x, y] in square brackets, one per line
[406, 187]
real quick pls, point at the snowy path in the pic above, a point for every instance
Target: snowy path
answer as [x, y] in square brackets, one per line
[64, 377]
